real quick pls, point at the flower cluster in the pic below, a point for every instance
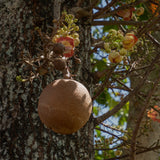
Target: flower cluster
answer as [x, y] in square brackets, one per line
[153, 114]
[67, 35]
[117, 45]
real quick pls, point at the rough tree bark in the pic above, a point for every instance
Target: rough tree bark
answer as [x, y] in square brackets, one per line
[23, 136]
[149, 130]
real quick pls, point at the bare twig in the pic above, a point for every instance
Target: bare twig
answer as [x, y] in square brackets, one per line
[105, 9]
[110, 133]
[110, 127]
[155, 42]
[127, 88]
[119, 87]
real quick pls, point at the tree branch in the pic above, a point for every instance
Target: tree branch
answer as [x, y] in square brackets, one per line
[110, 133]
[134, 23]
[127, 88]
[113, 12]
[105, 9]
[106, 115]
[103, 86]
[149, 25]
[112, 128]
[155, 42]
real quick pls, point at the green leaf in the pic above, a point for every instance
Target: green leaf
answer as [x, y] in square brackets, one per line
[98, 132]
[100, 65]
[112, 102]
[96, 110]
[103, 98]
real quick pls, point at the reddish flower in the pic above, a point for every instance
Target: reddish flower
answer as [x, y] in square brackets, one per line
[126, 14]
[154, 6]
[153, 114]
[68, 42]
[129, 40]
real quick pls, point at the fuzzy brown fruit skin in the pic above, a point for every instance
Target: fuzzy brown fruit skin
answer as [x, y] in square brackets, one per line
[65, 106]
[58, 48]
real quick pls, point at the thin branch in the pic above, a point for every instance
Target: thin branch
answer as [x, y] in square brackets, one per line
[110, 133]
[127, 155]
[155, 42]
[132, 70]
[109, 13]
[116, 147]
[105, 9]
[106, 115]
[103, 86]
[108, 126]
[133, 23]
[119, 87]
[127, 88]
[96, 45]
[104, 149]
[148, 27]
[138, 122]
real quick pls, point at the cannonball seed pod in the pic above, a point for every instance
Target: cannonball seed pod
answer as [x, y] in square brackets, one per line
[58, 48]
[65, 106]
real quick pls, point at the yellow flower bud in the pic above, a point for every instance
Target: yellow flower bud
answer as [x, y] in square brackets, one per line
[114, 45]
[107, 47]
[139, 11]
[76, 42]
[75, 35]
[76, 28]
[118, 152]
[123, 52]
[112, 32]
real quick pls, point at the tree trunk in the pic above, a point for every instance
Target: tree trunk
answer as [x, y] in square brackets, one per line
[23, 135]
[149, 130]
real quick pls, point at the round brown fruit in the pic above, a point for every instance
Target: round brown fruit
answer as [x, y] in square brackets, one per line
[58, 48]
[65, 106]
